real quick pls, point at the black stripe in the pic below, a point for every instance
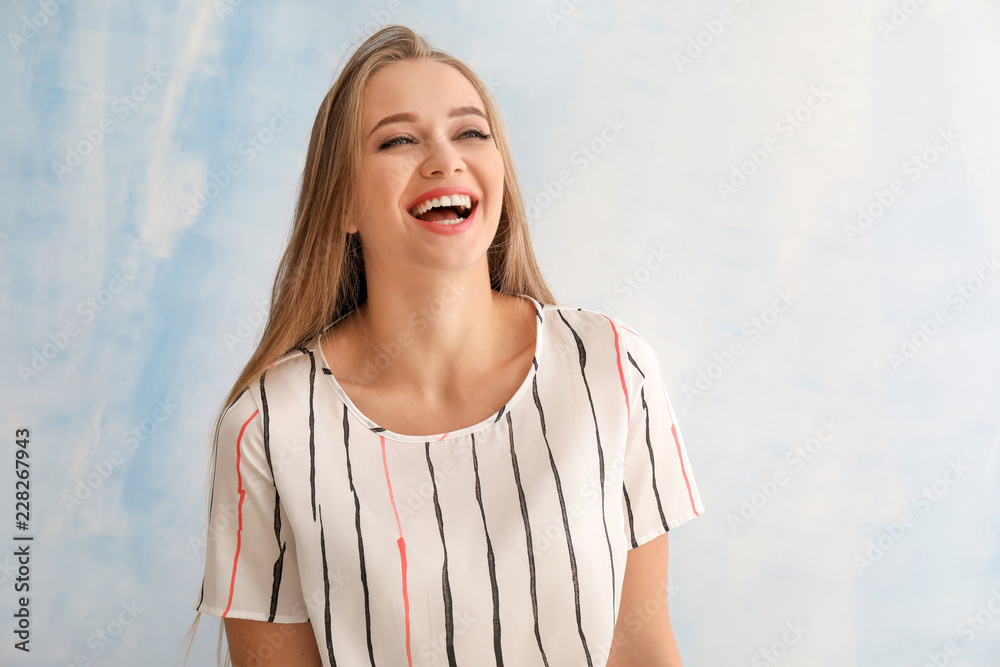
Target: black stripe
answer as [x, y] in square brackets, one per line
[629, 354]
[565, 520]
[327, 371]
[497, 648]
[652, 461]
[500, 413]
[312, 429]
[276, 572]
[527, 534]
[361, 542]
[449, 619]
[267, 425]
[326, 590]
[600, 458]
[276, 582]
[631, 525]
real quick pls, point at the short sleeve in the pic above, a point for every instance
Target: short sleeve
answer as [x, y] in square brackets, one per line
[659, 487]
[250, 559]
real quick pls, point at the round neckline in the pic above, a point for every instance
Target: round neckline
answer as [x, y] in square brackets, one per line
[524, 388]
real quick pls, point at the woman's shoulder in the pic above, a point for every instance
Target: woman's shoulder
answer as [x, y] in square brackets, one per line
[303, 358]
[294, 372]
[595, 330]
[587, 321]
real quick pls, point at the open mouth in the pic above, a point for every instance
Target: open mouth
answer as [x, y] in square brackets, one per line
[447, 210]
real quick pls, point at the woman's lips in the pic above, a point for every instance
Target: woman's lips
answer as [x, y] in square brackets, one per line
[446, 229]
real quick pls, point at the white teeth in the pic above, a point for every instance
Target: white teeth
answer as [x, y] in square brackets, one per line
[461, 201]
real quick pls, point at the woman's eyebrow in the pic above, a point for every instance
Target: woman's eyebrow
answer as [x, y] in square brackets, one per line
[410, 117]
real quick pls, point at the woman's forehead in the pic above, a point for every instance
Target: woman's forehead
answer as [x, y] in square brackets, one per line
[423, 86]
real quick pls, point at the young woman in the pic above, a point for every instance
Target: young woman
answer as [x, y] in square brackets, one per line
[427, 460]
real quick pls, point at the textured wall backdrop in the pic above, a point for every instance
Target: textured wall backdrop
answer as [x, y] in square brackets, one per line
[795, 202]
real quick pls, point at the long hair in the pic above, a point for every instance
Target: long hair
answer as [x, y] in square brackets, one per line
[321, 276]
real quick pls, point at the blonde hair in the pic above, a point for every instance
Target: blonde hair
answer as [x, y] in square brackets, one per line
[321, 276]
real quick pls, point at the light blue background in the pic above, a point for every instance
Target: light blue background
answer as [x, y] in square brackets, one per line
[186, 320]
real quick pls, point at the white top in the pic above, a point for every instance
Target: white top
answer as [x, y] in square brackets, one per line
[500, 543]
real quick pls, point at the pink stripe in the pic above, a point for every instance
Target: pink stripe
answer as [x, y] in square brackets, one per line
[621, 373]
[402, 551]
[677, 442]
[239, 512]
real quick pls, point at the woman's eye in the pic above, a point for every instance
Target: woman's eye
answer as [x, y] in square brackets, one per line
[402, 139]
[394, 141]
[477, 133]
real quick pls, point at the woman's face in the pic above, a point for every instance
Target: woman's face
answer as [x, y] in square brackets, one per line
[424, 136]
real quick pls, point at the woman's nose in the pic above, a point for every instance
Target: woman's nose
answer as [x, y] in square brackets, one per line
[442, 159]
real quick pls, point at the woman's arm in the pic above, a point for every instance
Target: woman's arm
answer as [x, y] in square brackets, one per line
[643, 635]
[282, 643]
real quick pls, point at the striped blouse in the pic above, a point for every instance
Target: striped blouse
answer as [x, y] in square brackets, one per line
[501, 543]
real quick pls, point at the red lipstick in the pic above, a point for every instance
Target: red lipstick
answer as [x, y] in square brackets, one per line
[446, 230]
